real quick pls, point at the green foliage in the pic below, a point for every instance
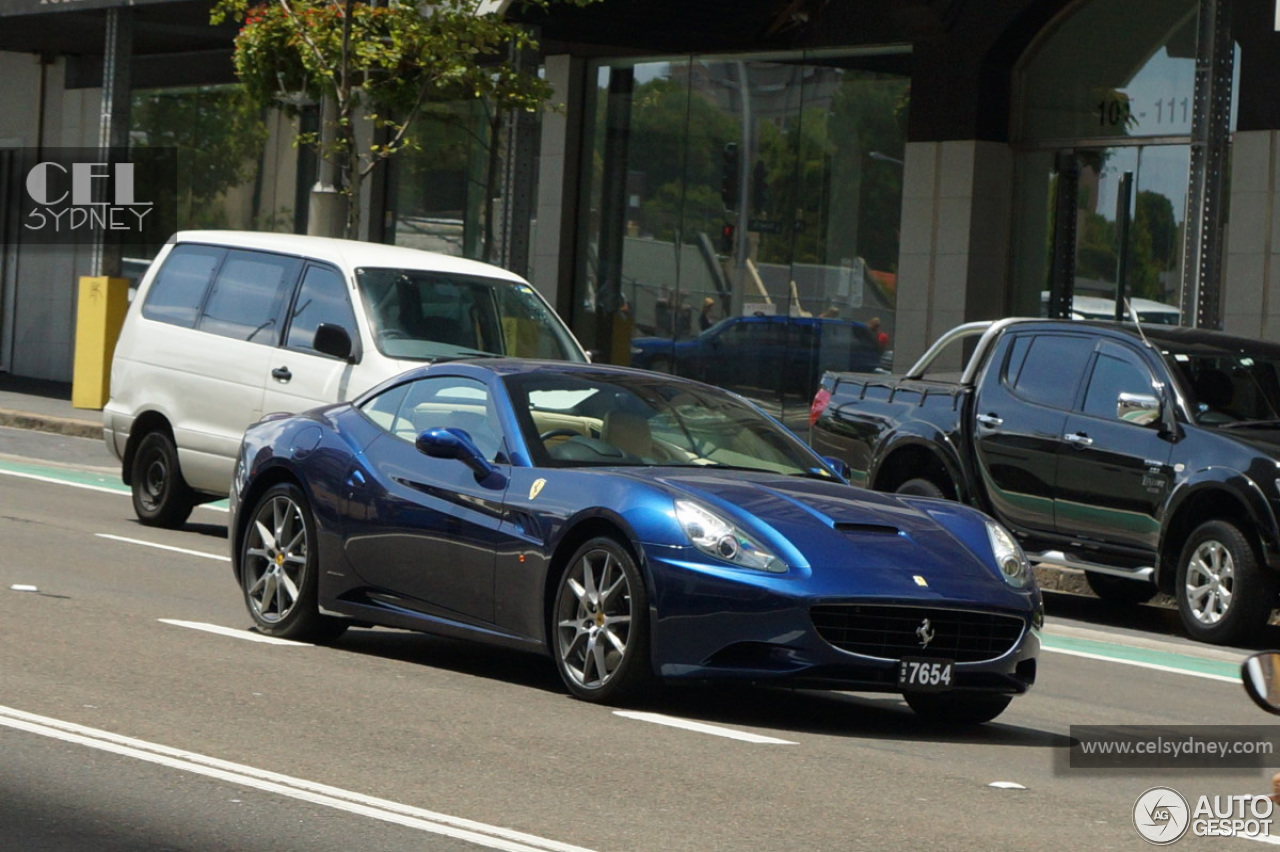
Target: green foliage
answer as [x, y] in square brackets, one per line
[380, 63]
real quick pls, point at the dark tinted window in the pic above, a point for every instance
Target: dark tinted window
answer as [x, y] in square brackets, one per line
[322, 298]
[248, 296]
[179, 288]
[1051, 370]
[1111, 377]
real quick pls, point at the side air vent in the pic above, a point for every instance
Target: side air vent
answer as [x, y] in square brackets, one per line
[867, 529]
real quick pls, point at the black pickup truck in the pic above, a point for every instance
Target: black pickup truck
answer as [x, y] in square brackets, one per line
[1149, 457]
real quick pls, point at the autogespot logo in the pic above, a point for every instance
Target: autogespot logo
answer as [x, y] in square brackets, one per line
[1161, 816]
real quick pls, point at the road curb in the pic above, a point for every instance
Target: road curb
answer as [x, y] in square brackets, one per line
[46, 423]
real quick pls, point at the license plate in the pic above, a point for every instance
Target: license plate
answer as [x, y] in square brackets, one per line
[924, 674]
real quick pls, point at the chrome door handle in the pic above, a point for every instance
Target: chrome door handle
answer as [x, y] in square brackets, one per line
[990, 420]
[1079, 439]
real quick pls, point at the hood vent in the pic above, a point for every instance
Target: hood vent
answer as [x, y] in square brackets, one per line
[867, 529]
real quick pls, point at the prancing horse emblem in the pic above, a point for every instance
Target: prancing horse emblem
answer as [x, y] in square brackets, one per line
[536, 488]
[925, 633]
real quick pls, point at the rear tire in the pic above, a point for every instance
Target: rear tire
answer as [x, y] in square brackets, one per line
[279, 569]
[1118, 590]
[161, 497]
[921, 487]
[957, 708]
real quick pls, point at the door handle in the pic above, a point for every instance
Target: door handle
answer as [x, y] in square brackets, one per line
[281, 373]
[990, 420]
[1080, 439]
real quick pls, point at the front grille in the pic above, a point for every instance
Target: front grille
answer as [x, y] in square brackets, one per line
[893, 632]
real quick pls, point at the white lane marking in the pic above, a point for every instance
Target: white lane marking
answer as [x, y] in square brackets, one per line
[234, 633]
[699, 727]
[88, 487]
[169, 547]
[1140, 664]
[481, 834]
[1006, 785]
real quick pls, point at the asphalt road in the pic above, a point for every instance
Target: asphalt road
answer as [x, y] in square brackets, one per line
[127, 723]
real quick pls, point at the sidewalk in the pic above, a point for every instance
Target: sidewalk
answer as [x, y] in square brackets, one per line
[46, 406]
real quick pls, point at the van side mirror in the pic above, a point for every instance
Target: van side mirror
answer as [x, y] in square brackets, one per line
[1138, 408]
[1261, 676]
[333, 340]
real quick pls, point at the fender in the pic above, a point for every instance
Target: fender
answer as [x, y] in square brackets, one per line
[929, 438]
[1240, 486]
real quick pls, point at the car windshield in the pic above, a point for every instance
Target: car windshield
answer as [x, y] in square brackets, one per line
[609, 418]
[421, 316]
[1228, 387]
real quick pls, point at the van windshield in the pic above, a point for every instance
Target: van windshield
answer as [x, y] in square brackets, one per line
[419, 315]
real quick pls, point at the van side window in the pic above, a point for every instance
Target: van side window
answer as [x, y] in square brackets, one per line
[248, 296]
[178, 291]
[322, 298]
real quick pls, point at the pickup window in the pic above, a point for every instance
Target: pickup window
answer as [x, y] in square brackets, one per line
[1111, 377]
[1045, 369]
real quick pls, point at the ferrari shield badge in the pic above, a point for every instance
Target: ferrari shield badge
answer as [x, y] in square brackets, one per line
[536, 488]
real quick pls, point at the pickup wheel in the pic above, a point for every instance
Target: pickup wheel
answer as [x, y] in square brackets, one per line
[921, 487]
[1224, 595]
[1118, 590]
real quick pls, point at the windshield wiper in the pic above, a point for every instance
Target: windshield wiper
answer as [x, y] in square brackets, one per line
[463, 356]
[1251, 424]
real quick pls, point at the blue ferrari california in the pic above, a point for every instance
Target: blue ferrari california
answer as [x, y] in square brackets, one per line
[635, 527]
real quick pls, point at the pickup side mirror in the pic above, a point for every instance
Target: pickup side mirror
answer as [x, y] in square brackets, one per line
[333, 340]
[457, 444]
[1138, 408]
[1261, 676]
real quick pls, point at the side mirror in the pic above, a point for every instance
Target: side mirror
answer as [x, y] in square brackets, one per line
[333, 340]
[839, 466]
[1261, 676]
[456, 444]
[1138, 408]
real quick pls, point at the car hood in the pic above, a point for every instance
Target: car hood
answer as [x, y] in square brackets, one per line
[883, 545]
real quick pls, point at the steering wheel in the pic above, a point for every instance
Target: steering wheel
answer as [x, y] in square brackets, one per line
[560, 433]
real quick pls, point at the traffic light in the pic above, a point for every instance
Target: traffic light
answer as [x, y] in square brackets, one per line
[726, 238]
[729, 177]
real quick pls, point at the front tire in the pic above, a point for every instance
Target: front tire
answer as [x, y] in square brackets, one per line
[600, 624]
[1224, 594]
[161, 497]
[957, 708]
[279, 569]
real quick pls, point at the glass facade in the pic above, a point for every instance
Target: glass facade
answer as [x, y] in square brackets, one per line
[1104, 100]
[719, 190]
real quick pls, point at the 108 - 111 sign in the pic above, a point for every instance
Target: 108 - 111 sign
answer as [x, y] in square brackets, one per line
[1119, 112]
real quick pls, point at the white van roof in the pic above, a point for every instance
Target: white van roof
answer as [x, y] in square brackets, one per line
[346, 254]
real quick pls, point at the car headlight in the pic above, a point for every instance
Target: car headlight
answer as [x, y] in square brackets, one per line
[1012, 562]
[716, 537]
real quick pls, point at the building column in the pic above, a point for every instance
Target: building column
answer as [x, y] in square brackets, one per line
[1251, 282]
[113, 126]
[554, 247]
[953, 264]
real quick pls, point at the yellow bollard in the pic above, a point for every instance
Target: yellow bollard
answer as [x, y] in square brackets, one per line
[99, 316]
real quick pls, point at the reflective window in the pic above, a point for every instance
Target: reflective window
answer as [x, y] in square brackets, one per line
[1051, 369]
[323, 297]
[729, 188]
[449, 402]
[180, 286]
[1111, 377]
[248, 296]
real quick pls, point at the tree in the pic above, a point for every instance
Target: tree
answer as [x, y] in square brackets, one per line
[380, 63]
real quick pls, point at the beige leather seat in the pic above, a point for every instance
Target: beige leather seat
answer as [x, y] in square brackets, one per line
[628, 432]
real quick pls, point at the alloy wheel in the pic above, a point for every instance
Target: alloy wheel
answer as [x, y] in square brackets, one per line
[593, 618]
[1210, 581]
[276, 559]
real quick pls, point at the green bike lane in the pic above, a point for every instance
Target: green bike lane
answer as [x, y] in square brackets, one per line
[1151, 653]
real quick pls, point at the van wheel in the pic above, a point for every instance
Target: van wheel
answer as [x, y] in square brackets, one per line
[920, 487]
[161, 497]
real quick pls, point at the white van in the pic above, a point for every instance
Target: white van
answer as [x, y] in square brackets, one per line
[229, 325]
